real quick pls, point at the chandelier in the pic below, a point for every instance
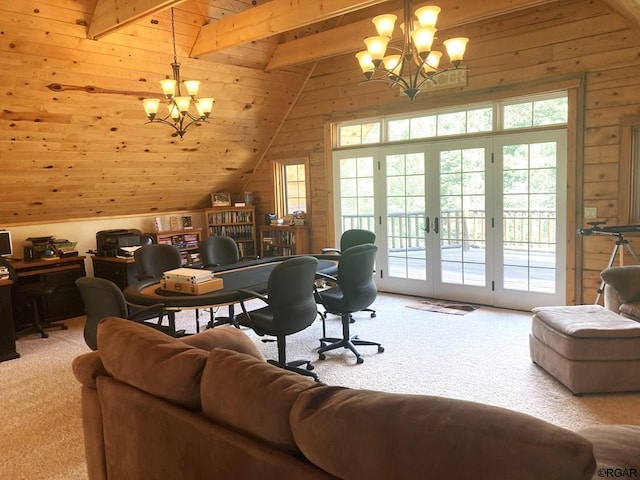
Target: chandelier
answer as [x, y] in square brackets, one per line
[412, 65]
[178, 117]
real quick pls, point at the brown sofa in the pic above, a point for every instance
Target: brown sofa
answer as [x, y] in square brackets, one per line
[209, 406]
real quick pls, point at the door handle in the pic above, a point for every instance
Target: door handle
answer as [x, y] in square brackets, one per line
[436, 225]
[426, 228]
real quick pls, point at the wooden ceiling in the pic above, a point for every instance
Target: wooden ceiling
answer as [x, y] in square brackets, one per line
[73, 141]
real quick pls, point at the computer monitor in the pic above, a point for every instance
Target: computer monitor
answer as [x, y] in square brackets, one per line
[6, 248]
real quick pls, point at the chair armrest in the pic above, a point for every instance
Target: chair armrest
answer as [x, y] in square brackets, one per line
[146, 313]
[330, 250]
[252, 294]
[324, 276]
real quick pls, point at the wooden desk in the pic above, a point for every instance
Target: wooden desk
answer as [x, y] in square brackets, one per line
[66, 302]
[7, 333]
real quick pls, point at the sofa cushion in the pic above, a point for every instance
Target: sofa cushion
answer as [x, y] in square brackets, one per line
[616, 447]
[87, 367]
[154, 362]
[252, 397]
[356, 434]
[587, 321]
[227, 337]
[630, 310]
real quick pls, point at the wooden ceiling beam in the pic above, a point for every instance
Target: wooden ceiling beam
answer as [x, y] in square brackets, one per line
[347, 39]
[271, 18]
[628, 9]
[111, 15]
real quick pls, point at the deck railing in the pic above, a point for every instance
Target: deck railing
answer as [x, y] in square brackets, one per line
[522, 229]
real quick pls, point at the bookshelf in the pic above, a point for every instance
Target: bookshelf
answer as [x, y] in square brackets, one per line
[185, 240]
[284, 240]
[238, 223]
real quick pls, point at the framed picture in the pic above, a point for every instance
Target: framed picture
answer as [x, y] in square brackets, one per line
[221, 199]
[187, 222]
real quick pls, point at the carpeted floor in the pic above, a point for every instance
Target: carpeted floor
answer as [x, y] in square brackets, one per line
[482, 356]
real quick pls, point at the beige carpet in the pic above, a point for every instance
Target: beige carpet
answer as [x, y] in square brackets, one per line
[482, 356]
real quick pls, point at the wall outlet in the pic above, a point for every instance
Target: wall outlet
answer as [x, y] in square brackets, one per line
[590, 212]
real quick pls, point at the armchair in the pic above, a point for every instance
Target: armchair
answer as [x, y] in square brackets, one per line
[290, 308]
[354, 291]
[622, 290]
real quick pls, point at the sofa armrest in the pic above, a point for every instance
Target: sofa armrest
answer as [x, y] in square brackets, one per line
[87, 367]
[612, 300]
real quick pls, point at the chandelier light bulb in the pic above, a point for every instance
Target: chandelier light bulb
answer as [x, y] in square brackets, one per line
[168, 86]
[174, 112]
[151, 106]
[205, 106]
[423, 39]
[376, 46]
[455, 49]
[364, 59]
[385, 24]
[432, 62]
[183, 104]
[192, 87]
[393, 63]
[428, 16]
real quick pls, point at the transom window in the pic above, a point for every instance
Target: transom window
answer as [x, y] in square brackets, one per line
[517, 113]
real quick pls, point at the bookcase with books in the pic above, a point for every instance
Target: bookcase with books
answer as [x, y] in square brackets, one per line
[238, 223]
[284, 240]
[184, 240]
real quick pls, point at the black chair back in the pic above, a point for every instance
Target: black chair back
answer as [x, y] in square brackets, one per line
[218, 251]
[355, 274]
[290, 294]
[355, 236]
[102, 298]
[153, 260]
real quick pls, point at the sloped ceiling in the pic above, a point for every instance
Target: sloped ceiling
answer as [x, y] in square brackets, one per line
[72, 133]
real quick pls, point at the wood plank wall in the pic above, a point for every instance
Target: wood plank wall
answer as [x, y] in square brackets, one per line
[532, 51]
[76, 154]
[73, 154]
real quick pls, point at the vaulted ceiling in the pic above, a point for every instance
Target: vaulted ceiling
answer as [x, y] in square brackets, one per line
[73, 138]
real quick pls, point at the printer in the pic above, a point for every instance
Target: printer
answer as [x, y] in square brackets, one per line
[113, 243]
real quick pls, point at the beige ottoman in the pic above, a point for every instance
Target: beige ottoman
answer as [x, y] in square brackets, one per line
[586, 347]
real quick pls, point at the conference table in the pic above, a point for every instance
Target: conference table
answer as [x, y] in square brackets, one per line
[247, 275]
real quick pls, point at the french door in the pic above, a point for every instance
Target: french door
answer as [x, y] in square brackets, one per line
[475, 220]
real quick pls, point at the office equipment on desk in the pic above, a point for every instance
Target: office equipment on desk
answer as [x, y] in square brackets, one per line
[113, 243]
[36, 248]
[6, 246]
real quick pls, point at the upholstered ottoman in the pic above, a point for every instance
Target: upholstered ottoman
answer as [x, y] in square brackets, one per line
[586, 347]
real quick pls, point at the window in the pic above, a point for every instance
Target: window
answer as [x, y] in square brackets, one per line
[516, 113]
[291, 186]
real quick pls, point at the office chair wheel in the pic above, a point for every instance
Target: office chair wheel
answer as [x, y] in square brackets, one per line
[359, 360]
[373, 315]
[322, 356]
[310, 366]
[380, 349]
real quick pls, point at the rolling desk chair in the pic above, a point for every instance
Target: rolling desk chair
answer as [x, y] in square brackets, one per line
[290, 308]
[354, 291]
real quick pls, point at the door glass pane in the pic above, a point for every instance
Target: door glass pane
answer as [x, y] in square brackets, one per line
[405, 177]
[529, 217]
[357, 193]
[462, 217]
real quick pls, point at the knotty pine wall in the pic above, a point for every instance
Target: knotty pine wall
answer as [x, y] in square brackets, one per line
[83, 150]
[75, 155]
[579, 45]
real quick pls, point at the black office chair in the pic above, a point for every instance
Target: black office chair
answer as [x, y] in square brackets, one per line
[354, 291]
[219, 251]
[102, 298]
[291, 308]
[155, 259]
[31, 296]
[351, 238]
